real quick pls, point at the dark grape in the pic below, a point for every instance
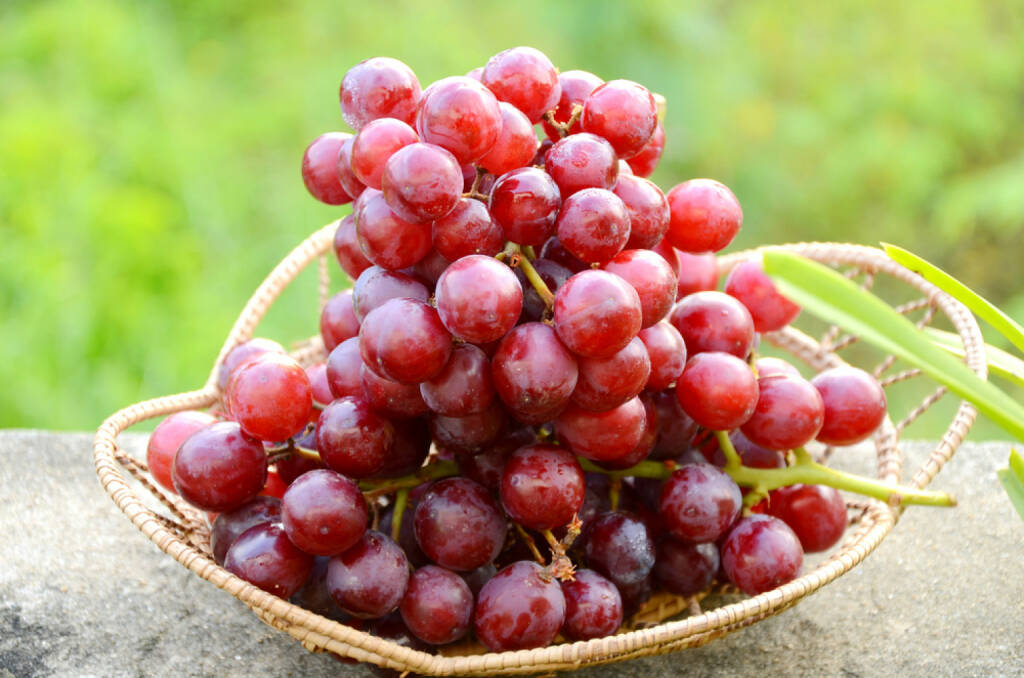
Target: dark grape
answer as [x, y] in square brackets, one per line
[369, 579]
[617, 545]
[265, 557]
[230, 525]
[699, 502]
[438, 605]
[471, 433]
[458, 525]
[593, 606]
[684, 568]
[390, 398]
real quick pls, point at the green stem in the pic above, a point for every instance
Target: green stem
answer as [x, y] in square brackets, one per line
[433, 471]
[401, 501]
[538, 283]
[809, 472]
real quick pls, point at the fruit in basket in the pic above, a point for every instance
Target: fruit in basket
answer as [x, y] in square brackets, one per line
[520, 391]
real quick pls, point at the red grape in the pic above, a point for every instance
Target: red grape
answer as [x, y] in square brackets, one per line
[458, 525]
[460, 115]
[243, 353]
[346, 177]
[404, 340]
[597, 313]
[581, 161]
[390, 398]
[624, 113]
[606, 383]
[542, 486]
[346, 248]
[717, 390]
[479, 299]
[323, 512]
[651, 277]
[684, 568]
[617, 545]
[519, 608]
[470, 433]
[593, 224]
[525, 202]
[713, 321]
[229, 526]
[421, 182]
[816, 513]
[343, 369]
[338, 319]
[380, 87]
[387, 239]
[705, 216]
[524, 77]
[648, 210]
[516, 144]
[667, 352]
[219, 467]
[270, 397]
[789, 413]
[602, 436]
[319, 169]
[264, 557]
[532, 370]
[467, 229]
[438, 605]
[697, 272]
[699, 502]
[761, 553]
[376, 285]
[593, 606]
[769, 309]
[167, 437]
[353, 439]
[854, 405]
[576, 87]
[375, 143]
[369, 579]
[767, 366]
[463, 386]
[645, 162]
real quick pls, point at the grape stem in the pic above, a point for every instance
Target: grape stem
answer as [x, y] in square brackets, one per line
[433, 471]
[401, 501]
[474, 191]
[530, 544]
[809, 472]
[514, 256]
[805, 470]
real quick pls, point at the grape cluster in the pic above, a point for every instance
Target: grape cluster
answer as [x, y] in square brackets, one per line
[533, 395]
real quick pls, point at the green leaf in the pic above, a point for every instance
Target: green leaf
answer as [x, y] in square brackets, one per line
[1012, 479]
[1000, 362]
[829, 295]
[980, 306]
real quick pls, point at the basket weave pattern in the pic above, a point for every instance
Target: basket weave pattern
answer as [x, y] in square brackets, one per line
[182, 532]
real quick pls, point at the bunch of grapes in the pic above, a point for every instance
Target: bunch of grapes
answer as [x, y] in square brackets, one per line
[534, 401]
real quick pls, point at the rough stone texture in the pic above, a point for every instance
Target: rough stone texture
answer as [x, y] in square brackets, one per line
[83, 593]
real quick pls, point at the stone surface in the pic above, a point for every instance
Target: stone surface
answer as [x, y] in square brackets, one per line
[83, 593]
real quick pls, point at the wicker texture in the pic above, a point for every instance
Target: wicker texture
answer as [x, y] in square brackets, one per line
[184, 534]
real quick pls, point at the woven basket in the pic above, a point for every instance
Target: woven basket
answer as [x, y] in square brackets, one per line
[183, 533]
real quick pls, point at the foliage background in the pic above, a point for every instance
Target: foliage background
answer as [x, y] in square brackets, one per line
[149, 152]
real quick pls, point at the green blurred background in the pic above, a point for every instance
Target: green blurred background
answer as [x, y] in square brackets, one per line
[149, 152]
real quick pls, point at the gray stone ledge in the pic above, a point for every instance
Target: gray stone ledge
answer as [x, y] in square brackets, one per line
[83, 593]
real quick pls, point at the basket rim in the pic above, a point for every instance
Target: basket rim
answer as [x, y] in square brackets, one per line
[318, 633]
